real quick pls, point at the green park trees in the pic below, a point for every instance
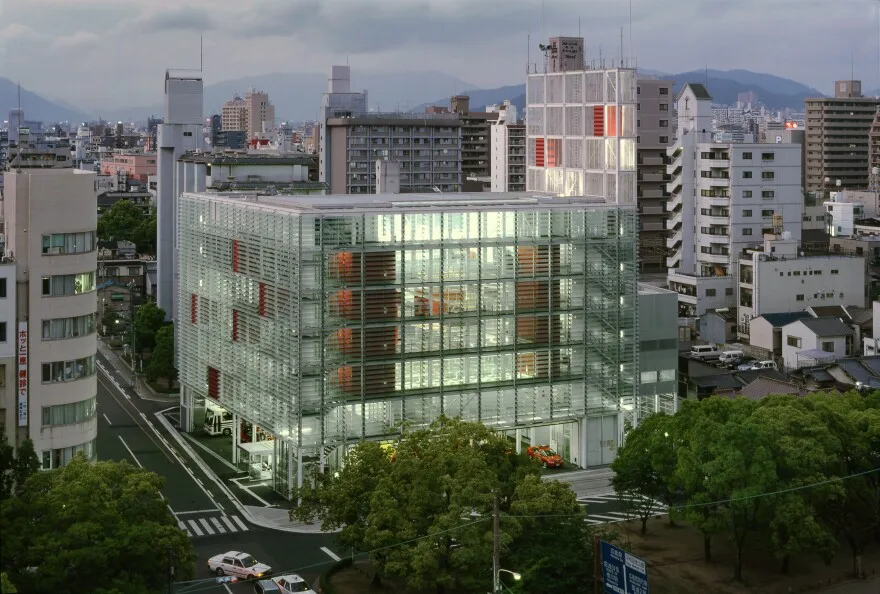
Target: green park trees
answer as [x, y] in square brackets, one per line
[87, 527]
[125, 221]
[147, 322]
[801, 474]
[161, 362]
[423, 510]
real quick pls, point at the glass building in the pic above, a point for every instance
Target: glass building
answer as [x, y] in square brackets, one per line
[324, 320]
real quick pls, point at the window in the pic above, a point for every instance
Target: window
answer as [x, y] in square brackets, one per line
[667, 375]
[134, 270]
[69, 243]
[828, 346]
[68, 414]
[747, 231]
[728, 291]
[638, 90]
[68, 284]
[747, 193]
[2, 331]
[834, 272]
[768, 193]
[747, 213]
[664, 107]
[710, 292]
[747, 175]
[664, 139]
[187, 133]
[61, 328]
[61, 457]
[747, 155]
[67, 371]
[767, 156]
[767, 175]
[649, 377]
[664, 90]
[793, 341]
[767, 212]
[799, 297]
[2, 288]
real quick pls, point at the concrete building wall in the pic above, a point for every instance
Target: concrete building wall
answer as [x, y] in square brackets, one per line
[761, 333]
[808, 341]
[8, 351]
[658, 351]
[265, 173]
[61, 383]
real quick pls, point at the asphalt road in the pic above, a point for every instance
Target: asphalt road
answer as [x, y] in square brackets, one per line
[607, 508]
[128, 430]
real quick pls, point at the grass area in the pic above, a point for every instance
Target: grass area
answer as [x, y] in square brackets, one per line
[675, 565]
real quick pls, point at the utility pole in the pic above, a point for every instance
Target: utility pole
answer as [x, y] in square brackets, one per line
[131, 295]
[170, 569]
[496, 548]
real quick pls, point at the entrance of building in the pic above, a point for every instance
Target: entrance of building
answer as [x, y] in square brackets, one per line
[602, 437]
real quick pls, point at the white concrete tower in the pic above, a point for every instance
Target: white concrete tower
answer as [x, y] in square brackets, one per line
[180, 131]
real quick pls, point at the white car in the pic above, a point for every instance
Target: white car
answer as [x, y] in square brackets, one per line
[293, 583]
[238, 564]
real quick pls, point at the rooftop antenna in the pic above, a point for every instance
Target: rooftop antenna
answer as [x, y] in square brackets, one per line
[706, 77]
[201, 53]
[579, 26]
[544, 32]
[621, 47]
[528, 51]
[18, 144]
[631, 54]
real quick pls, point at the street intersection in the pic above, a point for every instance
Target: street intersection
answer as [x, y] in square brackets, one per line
[141, 431]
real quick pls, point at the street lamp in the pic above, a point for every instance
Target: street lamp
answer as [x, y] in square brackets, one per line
[131, 316]
[516, 576]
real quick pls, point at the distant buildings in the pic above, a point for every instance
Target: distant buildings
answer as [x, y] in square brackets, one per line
[476, 147]
[507, 135]
[837, 138]
[252, 115]
[137, 166]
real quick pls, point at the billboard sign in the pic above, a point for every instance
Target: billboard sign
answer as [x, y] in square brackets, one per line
[22, 378]
[622, 573]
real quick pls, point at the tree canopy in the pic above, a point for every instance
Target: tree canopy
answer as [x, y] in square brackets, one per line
[92, 528]
[125, 221]
[162, 358]
[15, 467]
[799, 473]
[147, 322]
[423, 511]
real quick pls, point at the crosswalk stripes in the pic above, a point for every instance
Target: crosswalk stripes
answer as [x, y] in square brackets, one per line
[212, 525]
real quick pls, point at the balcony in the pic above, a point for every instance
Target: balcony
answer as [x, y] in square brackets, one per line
[674, 203]
[651, 161]
[717, 163]
[716, 181]
[650, 193]
[674, 241]
[653, 210]
[722, 220]
[672, 186]
[651, 178]
[673, 260]
[714, 258]
[674, 221]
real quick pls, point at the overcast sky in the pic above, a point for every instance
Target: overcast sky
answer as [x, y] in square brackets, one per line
[109, 53]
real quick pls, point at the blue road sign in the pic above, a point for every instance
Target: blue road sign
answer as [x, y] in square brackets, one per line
[623, 573]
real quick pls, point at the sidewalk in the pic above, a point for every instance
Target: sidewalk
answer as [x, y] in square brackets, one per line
[119, 365]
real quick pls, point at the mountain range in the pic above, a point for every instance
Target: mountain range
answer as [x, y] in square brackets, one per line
[296, 96]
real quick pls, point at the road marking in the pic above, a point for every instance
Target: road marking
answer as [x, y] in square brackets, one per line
[195, 527]
[251, 493]
[106, 418]
[225, 585]
[331, 554]
[134, 418]
[621, 514]
[231, 526]
[183, 527]
[207, 526]
[609, 518]
[240, 523]
[197, 511]
[217, 456]
[589, 521]
[218, 526]
[138, 462]
[163, 411]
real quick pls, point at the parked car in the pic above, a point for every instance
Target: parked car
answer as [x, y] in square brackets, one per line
[757, 365]
[292, 583]
[705, 352]
[546, 456]
[238, 564]
[266, 587]
[728, 358]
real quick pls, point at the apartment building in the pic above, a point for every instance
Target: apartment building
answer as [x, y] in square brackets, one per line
[476, 146]
[252, 114]
[509, 309]
[508, 153]
[874, 154]
[428, 148]
[338, 102]
[723, 197]
[581, 132]
[51, 222]
[655, 108]
[837, 137]
[136, 166]
[775, 277]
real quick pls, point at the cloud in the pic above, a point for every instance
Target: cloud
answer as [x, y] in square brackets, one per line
[187, 18]
[78, 40]
[18, 32]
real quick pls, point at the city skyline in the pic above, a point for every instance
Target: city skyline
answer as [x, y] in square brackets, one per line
[79, 47]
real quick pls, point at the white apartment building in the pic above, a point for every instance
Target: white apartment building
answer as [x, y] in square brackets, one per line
[775, 278]
[724, 197]
[9, 404]
[845, 208]
[581, 132]
[508, 138]
[51, 222]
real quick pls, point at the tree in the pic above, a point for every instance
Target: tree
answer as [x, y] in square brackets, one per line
[6, 586]
[125, 221]
[15, 469]
[147, 322]
[644, 466]
[89, 524]
[162, 358]
[425, 511]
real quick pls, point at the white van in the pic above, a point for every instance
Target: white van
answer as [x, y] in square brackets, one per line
[731, 357]
[705, 352]
[757, 365]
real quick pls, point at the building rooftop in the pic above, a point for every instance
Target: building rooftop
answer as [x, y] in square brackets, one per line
[824, 327]
[247, 159]
[726, 313]
[764, 386]
[829, 311]
[397, 203]
[700, 91]
[778, 320]
[648, 289]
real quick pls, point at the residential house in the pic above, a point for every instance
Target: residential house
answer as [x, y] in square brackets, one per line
[718, 326]
[765, 331]
[814, 341]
